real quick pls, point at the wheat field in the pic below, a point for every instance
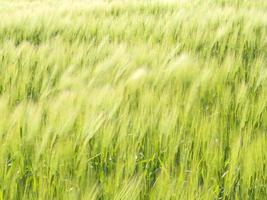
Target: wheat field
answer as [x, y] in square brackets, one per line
[133, 99]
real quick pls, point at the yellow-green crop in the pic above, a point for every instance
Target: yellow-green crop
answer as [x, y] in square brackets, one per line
[133, 99]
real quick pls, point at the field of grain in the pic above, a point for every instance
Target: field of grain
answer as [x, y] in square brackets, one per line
[133, 99]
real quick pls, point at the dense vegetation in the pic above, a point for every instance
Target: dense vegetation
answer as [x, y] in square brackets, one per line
[133, 99]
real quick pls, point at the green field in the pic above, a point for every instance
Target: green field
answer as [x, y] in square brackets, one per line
[133, 99]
